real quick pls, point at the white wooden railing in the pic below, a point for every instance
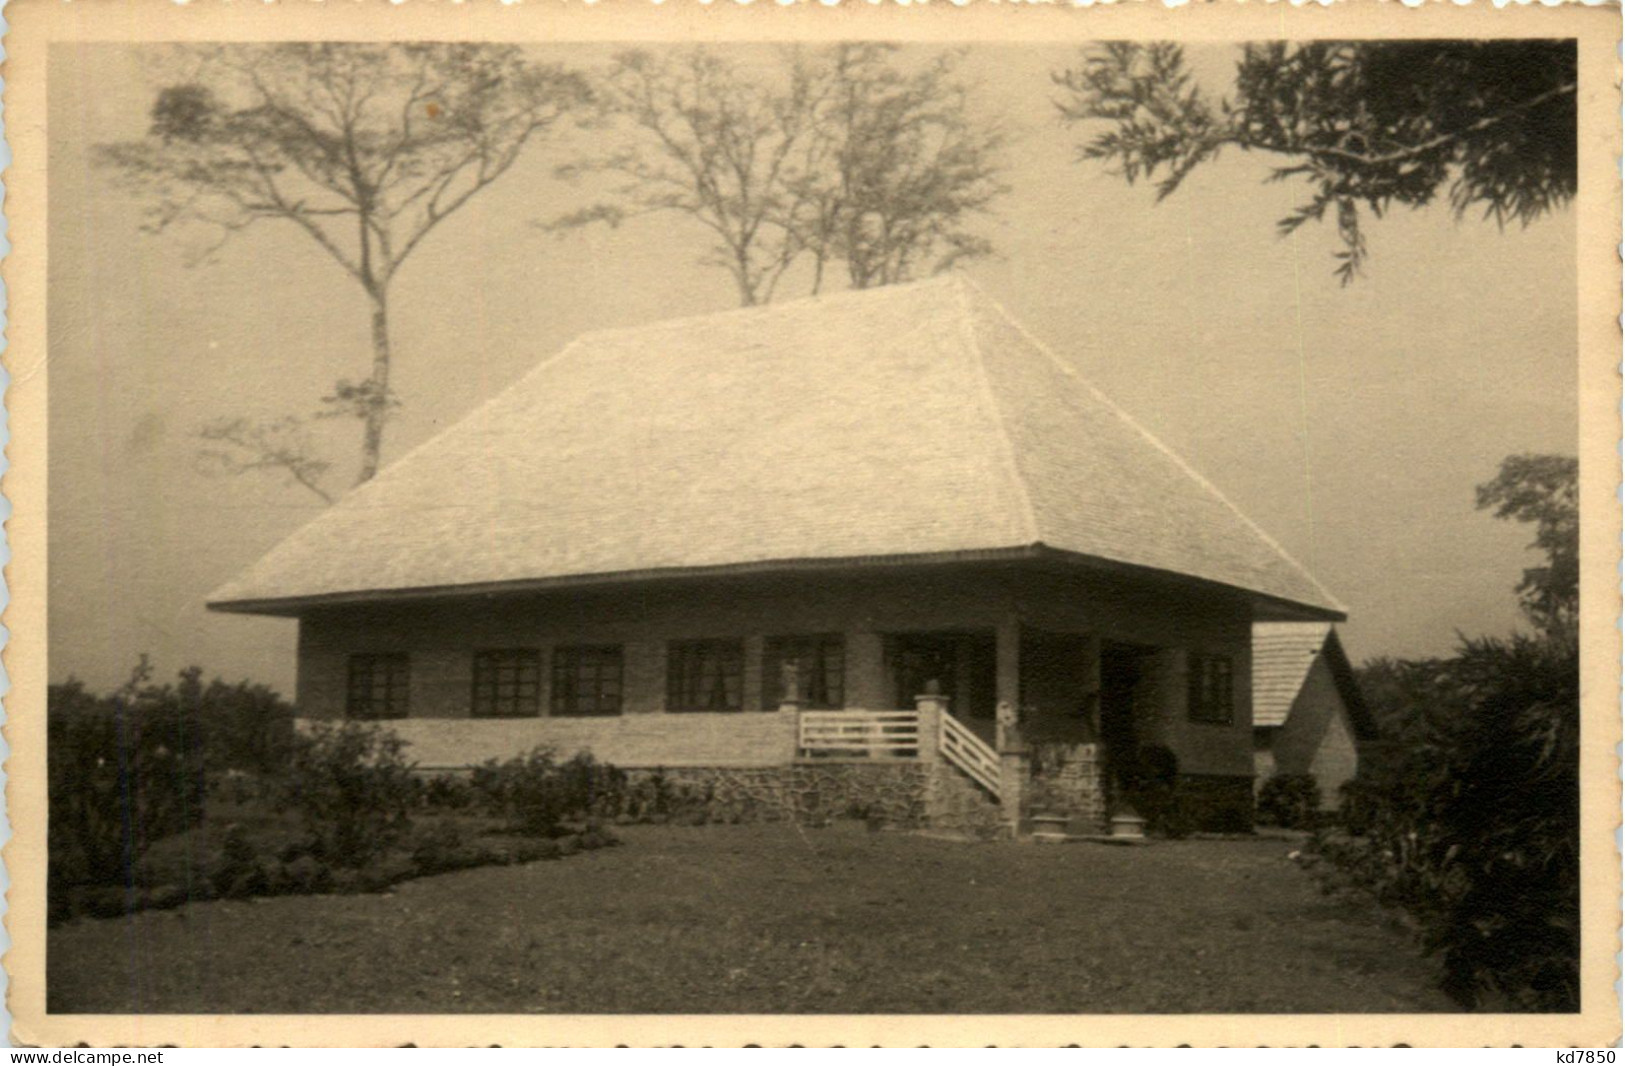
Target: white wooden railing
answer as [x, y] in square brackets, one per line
[859, 734]
[897, 735]
[969, 752]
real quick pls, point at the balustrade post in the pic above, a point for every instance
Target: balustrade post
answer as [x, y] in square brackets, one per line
[931, 706]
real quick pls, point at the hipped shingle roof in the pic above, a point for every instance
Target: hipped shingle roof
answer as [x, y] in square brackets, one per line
[913, 421]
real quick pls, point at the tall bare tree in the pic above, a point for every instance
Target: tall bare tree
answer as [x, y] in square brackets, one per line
[710, 141]
[366, 149]
[835, 154]
[907, 167]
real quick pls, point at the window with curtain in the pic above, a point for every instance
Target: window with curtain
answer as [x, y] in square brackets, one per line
[820, 669]
[586, 680]
[705, 675]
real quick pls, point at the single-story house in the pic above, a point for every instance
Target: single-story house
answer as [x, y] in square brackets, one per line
[1308, 714]
[811, 546]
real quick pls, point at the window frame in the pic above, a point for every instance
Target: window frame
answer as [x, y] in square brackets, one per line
[731, 662]
[774, 655]
[1210, 695]
[566, 662]
[396, 673]
[511, 672]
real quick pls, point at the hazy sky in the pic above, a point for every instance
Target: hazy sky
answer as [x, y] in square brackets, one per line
[1351, 423]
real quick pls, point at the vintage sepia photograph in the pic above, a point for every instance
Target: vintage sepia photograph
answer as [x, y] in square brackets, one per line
[893, 524]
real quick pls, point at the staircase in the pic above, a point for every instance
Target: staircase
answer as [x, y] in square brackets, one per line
[970, 753]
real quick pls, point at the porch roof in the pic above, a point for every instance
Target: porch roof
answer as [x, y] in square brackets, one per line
[915, 422]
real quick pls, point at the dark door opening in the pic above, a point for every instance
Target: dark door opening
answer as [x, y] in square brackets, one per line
[1056, 686]
[1121, 668]
[964, 666]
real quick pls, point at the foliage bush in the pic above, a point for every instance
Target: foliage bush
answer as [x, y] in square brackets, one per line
[655, 797]
[1291, 801]
[124, 770]
[1468, 816]
[1150, 782]
[353, 791]
[536, 794]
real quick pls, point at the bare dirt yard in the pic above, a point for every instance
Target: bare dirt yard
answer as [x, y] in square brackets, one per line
[770, 919]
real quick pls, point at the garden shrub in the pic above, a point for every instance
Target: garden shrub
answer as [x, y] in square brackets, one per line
[353, 791]
[125, 771]
[448, 792]
[1150, 782]
[655, 797]
[132, 767]
[1291, 801]
[535, 794]
[1470, 817]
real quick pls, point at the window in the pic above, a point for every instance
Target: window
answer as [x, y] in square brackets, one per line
[1211, 692]
[586, 680]
[820, 671]
[705, 675]
[378, 684]
[507, 683]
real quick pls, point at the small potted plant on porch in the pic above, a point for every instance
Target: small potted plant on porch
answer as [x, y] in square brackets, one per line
[1049, 818]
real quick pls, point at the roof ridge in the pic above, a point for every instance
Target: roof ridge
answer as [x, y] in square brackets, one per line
[1151, 439]
[760, 310]
[967, 335]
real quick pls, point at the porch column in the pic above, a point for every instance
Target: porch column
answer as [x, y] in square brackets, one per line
[1091, 681]
[1008, 684]
[866, 688]
[1013, 767]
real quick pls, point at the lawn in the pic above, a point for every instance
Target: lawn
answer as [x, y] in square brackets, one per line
[770, 919]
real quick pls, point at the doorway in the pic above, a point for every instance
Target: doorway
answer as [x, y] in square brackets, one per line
[964, 666]
[1057, 682]
[1122, 667]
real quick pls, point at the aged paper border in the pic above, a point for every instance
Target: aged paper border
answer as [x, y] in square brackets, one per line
[37, 23]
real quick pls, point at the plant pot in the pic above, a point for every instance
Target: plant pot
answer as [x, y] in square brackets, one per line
[1128, 825]
[1049, 827]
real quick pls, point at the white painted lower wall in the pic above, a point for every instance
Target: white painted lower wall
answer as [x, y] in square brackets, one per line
[744, 738]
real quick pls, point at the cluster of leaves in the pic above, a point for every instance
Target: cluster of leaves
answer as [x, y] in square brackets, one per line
[1544, 490]
[1291, 801]
[843, 155]
[1366, 124]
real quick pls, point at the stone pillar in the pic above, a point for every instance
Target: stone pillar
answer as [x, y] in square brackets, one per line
[931, 707]
[1014, 773]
